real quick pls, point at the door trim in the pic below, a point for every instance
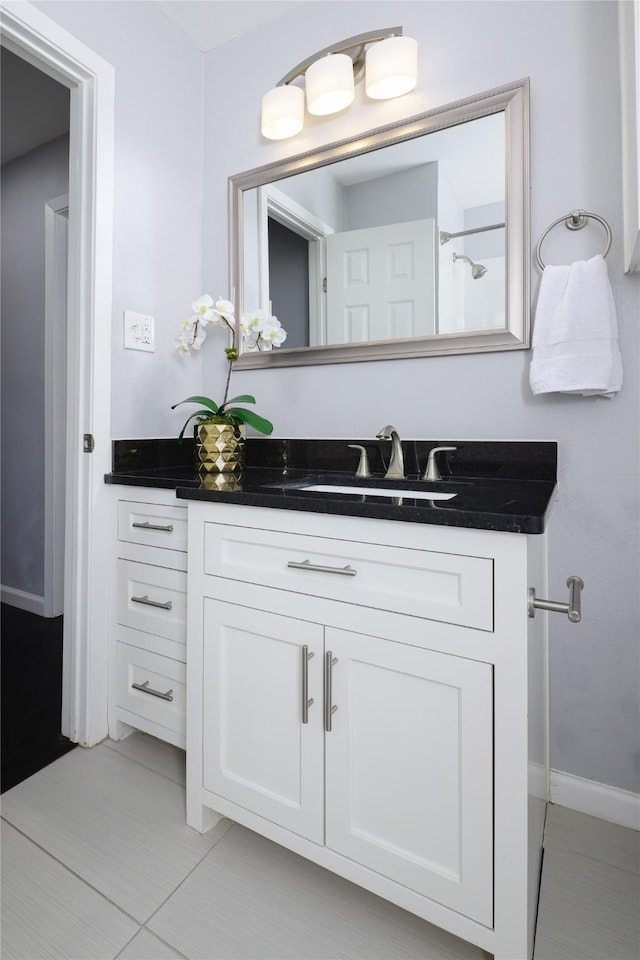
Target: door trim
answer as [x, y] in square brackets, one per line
[56, 339]
[273, 203]
[40, 41]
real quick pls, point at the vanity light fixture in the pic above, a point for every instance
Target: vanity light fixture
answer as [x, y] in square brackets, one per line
[389, 60]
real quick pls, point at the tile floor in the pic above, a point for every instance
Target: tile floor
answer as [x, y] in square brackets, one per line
[98, 864]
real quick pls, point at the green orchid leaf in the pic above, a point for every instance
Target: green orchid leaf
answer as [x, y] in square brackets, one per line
[244, 398]
[251, 418]
[205, 401]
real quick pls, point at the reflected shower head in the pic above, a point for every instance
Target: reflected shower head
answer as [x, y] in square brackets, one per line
[477, 269]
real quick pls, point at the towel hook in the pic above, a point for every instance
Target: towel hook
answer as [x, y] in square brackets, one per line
[575, 220]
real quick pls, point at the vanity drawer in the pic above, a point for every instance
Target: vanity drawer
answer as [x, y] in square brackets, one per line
[438, 586]
[152, 599]
[153, 525]
[162, 698]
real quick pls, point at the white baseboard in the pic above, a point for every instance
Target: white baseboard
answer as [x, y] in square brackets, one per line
[23, 600]
[538, 781]
[596, 799]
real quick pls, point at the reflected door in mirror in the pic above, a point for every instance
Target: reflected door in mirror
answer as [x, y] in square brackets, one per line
[381, 283]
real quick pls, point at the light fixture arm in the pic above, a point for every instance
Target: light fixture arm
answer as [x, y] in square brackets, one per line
[357, 44]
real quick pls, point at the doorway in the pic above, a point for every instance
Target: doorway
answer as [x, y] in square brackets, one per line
[35, 183]
[35, 38]
[289, 282]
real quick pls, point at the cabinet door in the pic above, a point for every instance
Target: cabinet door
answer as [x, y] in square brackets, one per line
[409, 768]
[258, 752]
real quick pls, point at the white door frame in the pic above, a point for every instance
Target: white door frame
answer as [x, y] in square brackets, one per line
[276, 204]
[56, 341]
[40, 41]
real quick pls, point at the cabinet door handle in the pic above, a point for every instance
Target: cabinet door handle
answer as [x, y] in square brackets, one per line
[154, 526]
[145, 688]
[318, 568]
[306, 702]
[329, 707]
[152, 603]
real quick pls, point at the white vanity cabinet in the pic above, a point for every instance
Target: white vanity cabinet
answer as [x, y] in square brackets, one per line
[359, 691]
[149, 614]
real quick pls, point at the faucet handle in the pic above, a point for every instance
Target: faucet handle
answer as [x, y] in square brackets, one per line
[363, 466]
[432, 472]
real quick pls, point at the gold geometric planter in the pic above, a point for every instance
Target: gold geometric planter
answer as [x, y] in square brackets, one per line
[219, 454]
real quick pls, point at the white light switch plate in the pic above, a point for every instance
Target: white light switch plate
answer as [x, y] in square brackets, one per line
[139, 333]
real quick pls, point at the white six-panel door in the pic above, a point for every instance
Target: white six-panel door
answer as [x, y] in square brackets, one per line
[409, 768]
[258, 753]
[381, 282]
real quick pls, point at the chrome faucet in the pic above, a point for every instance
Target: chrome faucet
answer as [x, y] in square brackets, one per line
[432, 471]
[396, 466]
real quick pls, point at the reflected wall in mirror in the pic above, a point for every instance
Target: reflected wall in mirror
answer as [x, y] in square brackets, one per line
[409, 241]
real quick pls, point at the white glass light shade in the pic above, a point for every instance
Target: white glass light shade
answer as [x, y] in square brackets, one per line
[282, 112]
[329, 83]
[391, 68]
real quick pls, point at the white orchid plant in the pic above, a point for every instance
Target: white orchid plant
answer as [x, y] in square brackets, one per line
[258, 332]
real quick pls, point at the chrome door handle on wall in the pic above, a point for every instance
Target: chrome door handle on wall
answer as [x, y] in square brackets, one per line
[306, 702]
[572, 609]
[307, 565]
[329, 708]
[145, 688]
[152, 603]
[154, 526]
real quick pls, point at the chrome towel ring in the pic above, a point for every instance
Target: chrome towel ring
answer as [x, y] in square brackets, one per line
[575, 220]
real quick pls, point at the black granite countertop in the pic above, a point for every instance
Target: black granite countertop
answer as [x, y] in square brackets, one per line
[502, 485]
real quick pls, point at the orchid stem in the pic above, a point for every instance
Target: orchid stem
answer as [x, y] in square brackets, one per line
[230, 369]
[226, 386]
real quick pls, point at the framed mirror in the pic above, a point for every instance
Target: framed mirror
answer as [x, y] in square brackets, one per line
[409, 241]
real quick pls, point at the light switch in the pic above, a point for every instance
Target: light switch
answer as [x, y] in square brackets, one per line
[138, 331]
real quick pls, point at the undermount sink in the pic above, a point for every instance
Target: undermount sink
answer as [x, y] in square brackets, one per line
[377, 491]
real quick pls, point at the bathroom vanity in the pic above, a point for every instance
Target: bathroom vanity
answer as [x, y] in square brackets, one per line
[364, 684]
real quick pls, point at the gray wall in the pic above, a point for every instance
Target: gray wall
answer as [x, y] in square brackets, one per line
[319, 192]
[394, 198]
[465, 48]
[157, 202]
[27, 184]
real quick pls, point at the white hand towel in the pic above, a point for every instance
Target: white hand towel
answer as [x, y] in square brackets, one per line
[575, 335]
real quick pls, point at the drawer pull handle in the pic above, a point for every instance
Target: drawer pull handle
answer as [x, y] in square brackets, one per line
[329, 707]
[318, 568]
[145, 688]
[306, 702]
[152, 603]
[572, 609]
[154, 526]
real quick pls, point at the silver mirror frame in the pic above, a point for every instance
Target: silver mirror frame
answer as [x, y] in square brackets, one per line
[513, 100]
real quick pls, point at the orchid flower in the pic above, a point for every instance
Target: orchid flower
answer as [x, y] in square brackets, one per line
[192, 335]
[273, 332]
[252, 322]
[225, 310]
[258, 331]
[203, 310]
